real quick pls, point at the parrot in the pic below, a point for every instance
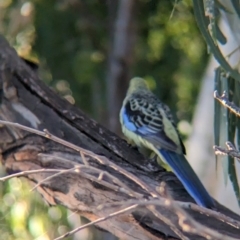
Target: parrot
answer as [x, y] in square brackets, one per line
[149, 124]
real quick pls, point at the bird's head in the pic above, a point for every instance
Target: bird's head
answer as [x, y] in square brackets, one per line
[136, 84]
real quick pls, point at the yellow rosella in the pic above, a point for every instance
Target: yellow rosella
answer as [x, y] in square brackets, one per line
[148, 123]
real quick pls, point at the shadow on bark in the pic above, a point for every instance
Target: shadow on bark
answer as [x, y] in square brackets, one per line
[98, 173]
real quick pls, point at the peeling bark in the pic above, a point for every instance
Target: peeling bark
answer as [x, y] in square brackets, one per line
[26, 100]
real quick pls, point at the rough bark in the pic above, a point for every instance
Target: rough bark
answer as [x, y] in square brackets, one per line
[26, 100]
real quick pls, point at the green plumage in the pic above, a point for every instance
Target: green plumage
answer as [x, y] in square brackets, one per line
[155, 115]
[148, 123]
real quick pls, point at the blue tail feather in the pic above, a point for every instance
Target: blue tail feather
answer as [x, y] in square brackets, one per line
[188, 177]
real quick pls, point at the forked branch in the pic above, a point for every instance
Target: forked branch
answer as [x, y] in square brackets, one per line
[81, 165]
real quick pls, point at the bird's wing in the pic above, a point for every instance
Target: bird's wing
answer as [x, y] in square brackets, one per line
[146, 117]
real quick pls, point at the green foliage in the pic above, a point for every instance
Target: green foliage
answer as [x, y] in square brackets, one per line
[173, 44]
[226, 125]
[72, 42]
[24, 216]
[77, 49]
[205, 22]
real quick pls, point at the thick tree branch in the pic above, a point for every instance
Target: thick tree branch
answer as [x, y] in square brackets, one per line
[97, 168]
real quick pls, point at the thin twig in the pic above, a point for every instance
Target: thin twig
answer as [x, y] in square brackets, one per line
[188, 224]
[103, 160]
[223, 99]
[85, 175]
[144, 186]
[114, 214]
[20, 174]
[192, 226]
[232, 52]
[54, 175]
[220, 216]
[160, 201]
[167, 221]
[122, 187]
[231, 151]
[83, 158]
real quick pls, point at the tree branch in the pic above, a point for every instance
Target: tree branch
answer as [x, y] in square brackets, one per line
[97, 167]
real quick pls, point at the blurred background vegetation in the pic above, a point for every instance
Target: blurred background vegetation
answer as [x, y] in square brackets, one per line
[73, 42]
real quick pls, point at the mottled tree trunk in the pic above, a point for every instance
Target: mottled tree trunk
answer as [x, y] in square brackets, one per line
[120, 60]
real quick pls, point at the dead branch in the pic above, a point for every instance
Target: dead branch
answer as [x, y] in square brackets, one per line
[97, 167]
[231, 150]
[223, 99]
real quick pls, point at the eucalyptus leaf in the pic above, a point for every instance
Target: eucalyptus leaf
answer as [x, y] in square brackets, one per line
[203, 23]
[236, 6]
[220, 36]
[224, 129]
[217, 110]
[232, 119]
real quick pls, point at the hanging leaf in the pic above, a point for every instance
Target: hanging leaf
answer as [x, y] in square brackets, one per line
[237, 102]
[224, 128]
[220, 6]
[236, 6]
[203, 23]
[212, 12]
